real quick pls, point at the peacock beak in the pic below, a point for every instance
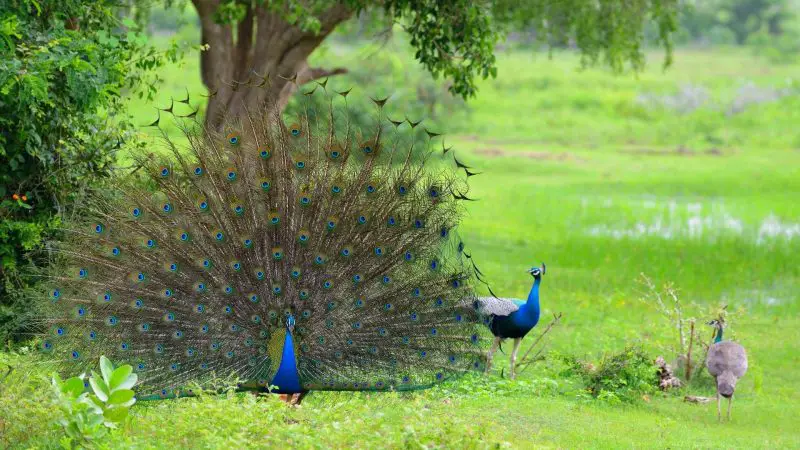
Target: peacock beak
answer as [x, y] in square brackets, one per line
[544, 269]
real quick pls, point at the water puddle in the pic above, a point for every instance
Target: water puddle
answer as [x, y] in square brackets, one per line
[673, 220]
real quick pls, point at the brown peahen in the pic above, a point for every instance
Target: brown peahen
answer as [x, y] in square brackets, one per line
[309, 256]
[726, 362]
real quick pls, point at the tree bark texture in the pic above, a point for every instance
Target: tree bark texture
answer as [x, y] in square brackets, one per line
[262, 45]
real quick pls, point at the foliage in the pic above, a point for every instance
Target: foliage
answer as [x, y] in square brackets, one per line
[456, 39]
[63, 67]
[742, 20]
[87, 416]
[612, 31]
[617, 377]
[783, 48]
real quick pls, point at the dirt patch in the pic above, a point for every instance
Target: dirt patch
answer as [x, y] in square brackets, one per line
[498, 141]
[494, 152]
[678, 151]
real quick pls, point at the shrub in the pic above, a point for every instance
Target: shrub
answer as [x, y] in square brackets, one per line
[63, 65]
[87, 416]
[617, 377]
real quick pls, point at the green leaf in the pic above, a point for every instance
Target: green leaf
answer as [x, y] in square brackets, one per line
[116, 414]
[95, 402]
[120, 397]
[99, 387]
[120, 379]
[72, 387]
[107, 368]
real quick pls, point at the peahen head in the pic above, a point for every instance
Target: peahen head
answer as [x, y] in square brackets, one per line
[718, 326]
[537, 272]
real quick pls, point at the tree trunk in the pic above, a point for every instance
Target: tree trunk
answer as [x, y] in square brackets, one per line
[267, 51]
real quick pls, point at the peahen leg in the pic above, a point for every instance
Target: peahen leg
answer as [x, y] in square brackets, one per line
[490, 355]
[517, 342]
[730, 402]
[719, 410]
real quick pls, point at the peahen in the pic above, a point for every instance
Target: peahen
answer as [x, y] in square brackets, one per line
[726, 362]
[511, 317]
[289, 258]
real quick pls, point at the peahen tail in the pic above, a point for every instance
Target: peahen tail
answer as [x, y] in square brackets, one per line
[313, 255]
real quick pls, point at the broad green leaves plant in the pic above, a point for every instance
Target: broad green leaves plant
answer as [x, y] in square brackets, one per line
[88, 415]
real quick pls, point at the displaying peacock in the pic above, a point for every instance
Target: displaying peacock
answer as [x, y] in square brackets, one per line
[511, 318]
[313, 256]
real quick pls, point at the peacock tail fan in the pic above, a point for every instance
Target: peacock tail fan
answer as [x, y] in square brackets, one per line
[304, 241]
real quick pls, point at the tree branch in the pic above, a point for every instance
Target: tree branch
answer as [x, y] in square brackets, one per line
[305, 75]
[555, 321]
[244, 42]
[316, 73]
[215, 62]
[266, 43]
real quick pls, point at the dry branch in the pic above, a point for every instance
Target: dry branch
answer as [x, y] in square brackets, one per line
[524, 360]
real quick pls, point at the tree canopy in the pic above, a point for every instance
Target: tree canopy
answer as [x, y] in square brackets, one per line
[455, 39]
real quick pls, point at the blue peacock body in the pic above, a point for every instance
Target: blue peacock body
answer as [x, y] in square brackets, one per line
[511, 318]
[308, 256]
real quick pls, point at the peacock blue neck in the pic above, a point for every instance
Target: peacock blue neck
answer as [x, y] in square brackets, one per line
[718, 338]
[531, 307]
[286, 378]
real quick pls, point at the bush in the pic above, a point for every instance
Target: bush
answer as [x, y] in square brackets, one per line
[87, 416]
[63, 65]
[618, 377]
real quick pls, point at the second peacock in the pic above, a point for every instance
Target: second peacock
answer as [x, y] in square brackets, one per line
[308, 256]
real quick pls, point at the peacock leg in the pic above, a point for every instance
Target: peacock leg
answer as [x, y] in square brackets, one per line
[299, 398]
[730, 401]
[490, 355]
[719, 410]
[517, 342]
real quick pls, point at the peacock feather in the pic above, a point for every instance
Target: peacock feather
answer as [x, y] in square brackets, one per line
[313, 255]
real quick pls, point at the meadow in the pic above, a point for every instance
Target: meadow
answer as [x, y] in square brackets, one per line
[689, 175]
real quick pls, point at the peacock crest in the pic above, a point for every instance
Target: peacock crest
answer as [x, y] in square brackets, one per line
[332, 242]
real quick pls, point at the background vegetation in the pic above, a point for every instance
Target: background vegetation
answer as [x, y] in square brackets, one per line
[689, 175]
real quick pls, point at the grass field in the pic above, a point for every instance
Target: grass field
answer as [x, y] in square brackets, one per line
[585, 171]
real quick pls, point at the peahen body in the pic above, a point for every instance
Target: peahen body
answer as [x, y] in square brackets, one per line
[312, 256]
[726, 362]
[511, 318]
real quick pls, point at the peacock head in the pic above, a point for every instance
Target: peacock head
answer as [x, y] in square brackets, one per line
[716, 324]
[537, 272]
[290, 323]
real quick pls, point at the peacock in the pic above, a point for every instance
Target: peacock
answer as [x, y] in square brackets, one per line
[511, 318]
[318, 255]
[726, 362]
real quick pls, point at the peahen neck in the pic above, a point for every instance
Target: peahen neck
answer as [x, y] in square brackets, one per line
[718, 338]
[532, 305]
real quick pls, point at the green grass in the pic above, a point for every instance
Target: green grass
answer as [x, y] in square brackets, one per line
[578, 175]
